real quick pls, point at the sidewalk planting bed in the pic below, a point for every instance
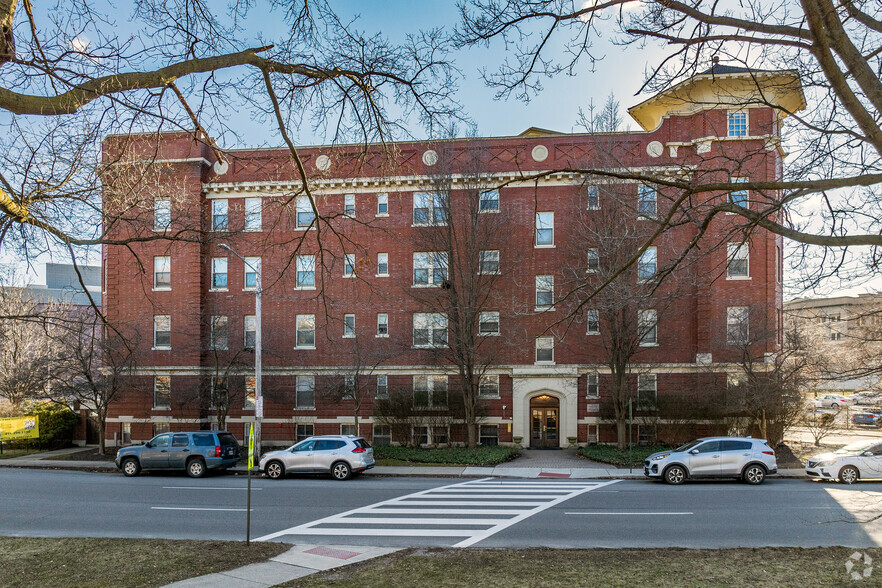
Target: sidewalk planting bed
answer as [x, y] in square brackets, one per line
[612, 455]
[450, 456]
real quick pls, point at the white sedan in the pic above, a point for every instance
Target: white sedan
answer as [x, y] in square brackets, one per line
[853, 462]
[836, 401]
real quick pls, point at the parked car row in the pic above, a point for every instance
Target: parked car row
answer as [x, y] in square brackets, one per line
[848, 464]
[745, 458]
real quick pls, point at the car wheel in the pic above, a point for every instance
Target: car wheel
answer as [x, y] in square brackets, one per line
[754, 474]
[195, 468]
[341, 470]
[836, 406]
[274, 470]
[849, 475]
[675, 475]
[131, 467]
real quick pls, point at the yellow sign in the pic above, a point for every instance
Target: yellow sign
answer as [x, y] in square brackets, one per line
[16, 428]
[251, 447]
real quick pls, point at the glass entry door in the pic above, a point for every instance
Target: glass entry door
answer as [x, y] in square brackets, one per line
[544, 422]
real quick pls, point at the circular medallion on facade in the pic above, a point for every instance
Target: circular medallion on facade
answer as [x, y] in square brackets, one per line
[655, 149]
[430, 158]
[540, 153]
[323, 162]
[221, 167]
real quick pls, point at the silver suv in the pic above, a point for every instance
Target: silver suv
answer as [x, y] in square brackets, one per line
[714, 457]
[339, 455]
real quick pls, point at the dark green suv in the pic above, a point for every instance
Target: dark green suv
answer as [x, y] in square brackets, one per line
[196, 452]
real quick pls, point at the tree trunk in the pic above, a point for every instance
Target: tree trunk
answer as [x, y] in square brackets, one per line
[102, 446]
[622, 431]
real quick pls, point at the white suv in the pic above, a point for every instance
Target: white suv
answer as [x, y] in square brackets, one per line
[339, 455]
[714, 457]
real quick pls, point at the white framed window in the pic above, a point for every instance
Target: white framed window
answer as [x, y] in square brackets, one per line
[219, 393]
[349, 265]
[382, 264]
[162, 331]
[592, 385]
[382, 436]
[305, 396]
[740, 197]
[429, 268]
[348, 326]
[429, 329]
[420, 435]
[220, 215]
[162, 392]
[250, 336]
[382, 386]
[250, 393]
[162, 273]
[488, 323]
[735, 380]
[430, 391]
[349, 205]
[348, 387]
[305, 213]
[252, 271]
[647, 265]
[544, 292]
[488, 435]
[382, 205]
[647, 202]
[737, 324]
[544, 349]
[488, 201]
[429, 209]
[218, 273]
[219, 333]
[593, 198]
[593, 261]
[544, 229]
[161, 214]
[489, 262]
[304, 431]
[305, 272]
[737, 124]
[488, 386]
[348, 429]
[253, 214]
[738, 256]
[305, 331]
[382, 324]
[592, 317]
[647, 389]
[647, 327]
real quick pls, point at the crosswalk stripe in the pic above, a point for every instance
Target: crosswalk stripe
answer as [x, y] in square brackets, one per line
[412, 521]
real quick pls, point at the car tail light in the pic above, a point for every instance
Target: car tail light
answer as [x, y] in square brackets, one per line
[769, 452]
[359, 450]
[217, 451]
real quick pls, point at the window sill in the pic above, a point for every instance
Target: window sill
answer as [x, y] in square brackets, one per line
[256, 230]
[162, 289]
[161, 348]
[738, 278]
[593, 208]
[593, 397]
[349, 336]
[160, 229]
[496, 273]
[487, 397]
[544, 246]
[430, 347]
[648, 345]
[249, 289]
[161, 408]
[426, 286]
[592, 333]
[544, 363]
[381, 276]
[429, 225]
[544, 309]
[305, 348]
[309, 228]
[382, 215]
[489, 211]
[386, 336]
[302, 408]
[304, 287]
[496, 334]
[218, 290]
[348, 276]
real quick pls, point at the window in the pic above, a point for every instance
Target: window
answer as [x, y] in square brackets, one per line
[305, 271]
[382, 386]
[489, 263]
[161, 214]
[305, 331]
[349, 265]
[162, 332]
[488, 201]
[382, 205]
[647, 265]
[158, 429]
[250, 392]
[737, 321]
[250, 331]
[349, 325]
[219, 273]
[488, 386]
[737, 124]
[647, 390]
[593, 198]
[305, 432]
[218, 338]
[349, 205]
[488, 323]
[252, 272]
[219, 393]
[593, 385]
[647, 327]
[430, 391]
[382, 325]
[219, 215]
[544, 229]
[544, 349]
[593, 261]
[440, 435]
[382, 436]
[739, 260]
[489, 435]
[162, 392]
[305, 392]
[646, 201]
[253, 214]
[348, 430]
[382, 264]
[348, 387]
[420, 435]
[544, 292]
[305, 214]
[429, 329]
[735, 380]
[429, 268]
[593, 320]
[739, 197]
[162, 273]
[430, 209]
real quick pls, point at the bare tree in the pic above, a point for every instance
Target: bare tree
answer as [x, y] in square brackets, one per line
[356, 384]
[818, 425]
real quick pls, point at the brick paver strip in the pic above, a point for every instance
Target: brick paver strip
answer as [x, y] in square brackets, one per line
[328, 552]
[552, 475]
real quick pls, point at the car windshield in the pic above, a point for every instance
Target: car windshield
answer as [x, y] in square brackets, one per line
[689, 445]
[858, 447]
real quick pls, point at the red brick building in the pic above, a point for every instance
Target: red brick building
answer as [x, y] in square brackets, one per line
[352, 295]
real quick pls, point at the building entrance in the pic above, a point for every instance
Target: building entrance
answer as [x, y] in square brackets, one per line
[544, 421]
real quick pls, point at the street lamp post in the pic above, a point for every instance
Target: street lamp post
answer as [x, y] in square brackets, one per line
[258, 367]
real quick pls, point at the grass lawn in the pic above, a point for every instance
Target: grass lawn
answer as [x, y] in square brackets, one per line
[601, 567]
[10, 453]
[611, 455]
[98, 562]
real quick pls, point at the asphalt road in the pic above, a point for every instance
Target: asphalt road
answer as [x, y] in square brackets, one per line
[442, 512]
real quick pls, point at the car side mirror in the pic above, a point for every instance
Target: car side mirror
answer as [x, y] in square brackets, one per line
[147, 444]
[694, 452]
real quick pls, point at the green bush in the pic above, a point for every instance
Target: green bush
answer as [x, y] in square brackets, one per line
[56, 422]
[480, 456]
[612, 455]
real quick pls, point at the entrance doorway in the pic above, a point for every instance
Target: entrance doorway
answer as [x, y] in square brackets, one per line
[544, 421]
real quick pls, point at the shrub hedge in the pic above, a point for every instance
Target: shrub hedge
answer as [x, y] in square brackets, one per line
[480, 456]
[612, 455]
[57, 424]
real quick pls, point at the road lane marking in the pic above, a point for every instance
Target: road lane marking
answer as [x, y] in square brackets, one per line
[630, 513]
[195, 508]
